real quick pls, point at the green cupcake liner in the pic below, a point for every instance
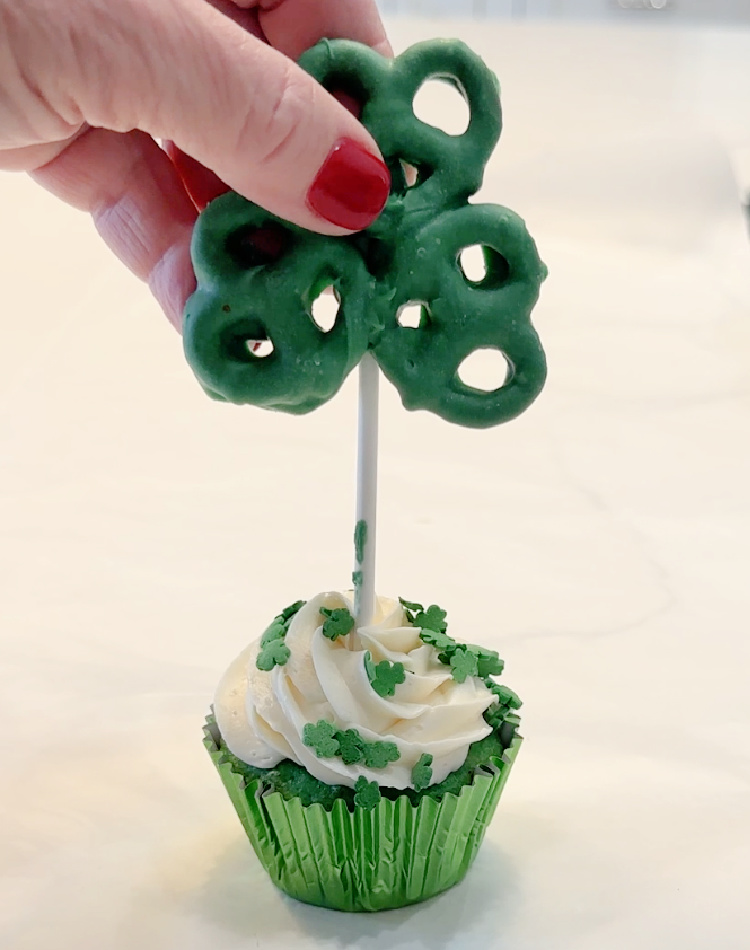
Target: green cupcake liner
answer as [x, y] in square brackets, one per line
[357, 859]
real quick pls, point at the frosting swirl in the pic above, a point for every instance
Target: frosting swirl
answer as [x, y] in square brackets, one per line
[262, 715]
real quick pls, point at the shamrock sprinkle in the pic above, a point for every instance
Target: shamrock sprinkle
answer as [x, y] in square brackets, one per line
[273, 653]
[384, 677]
[410, 609]
[431, 619]
[351, 746]
[421, 774]
[488, 661]
[288, 612]
[441, 641]
[463, 663]
[495, 715]
[321, 737]
[366, 794]
[378, 755]
[506, 697]
[276, 631]
[339, 622]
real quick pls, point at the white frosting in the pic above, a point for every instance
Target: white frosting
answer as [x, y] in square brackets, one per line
[261, 715]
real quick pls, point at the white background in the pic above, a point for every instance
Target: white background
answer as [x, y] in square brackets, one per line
[655, 11]
[600, 543]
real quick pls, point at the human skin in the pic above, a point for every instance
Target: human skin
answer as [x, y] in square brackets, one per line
[88, 86]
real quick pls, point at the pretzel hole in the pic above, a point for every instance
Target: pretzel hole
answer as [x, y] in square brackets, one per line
[483, 267]
[325, 309]
[404, 175]
[486, 370]
[251, 246]
[413, 315]
[246, 341]
[260, 349]
[441, 103]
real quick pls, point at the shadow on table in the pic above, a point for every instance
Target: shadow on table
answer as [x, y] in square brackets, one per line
[238, 896]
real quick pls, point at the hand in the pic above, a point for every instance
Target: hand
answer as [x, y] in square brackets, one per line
[86, 87]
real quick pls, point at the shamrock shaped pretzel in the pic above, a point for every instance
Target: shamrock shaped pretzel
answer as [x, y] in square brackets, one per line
[258, 276]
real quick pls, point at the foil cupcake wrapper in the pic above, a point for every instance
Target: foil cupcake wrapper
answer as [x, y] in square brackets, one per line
[359, 859]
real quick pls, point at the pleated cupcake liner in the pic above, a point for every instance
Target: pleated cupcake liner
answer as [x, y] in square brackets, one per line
[356, 859]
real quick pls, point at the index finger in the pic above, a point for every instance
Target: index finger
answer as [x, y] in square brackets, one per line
[293, 26]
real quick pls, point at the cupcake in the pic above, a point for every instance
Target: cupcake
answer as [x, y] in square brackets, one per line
[365, 764]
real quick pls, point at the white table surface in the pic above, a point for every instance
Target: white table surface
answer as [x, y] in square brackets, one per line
[600, 543]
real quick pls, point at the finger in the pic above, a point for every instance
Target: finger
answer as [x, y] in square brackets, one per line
[293, 26]
[242, 13]
[242, 109]
[128, 185]
[201, 183]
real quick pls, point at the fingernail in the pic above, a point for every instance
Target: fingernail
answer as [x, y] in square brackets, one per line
[351, 188]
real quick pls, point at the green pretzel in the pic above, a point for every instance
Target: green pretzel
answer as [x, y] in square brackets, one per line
[247, 293]
[257, 276]
[460, 317]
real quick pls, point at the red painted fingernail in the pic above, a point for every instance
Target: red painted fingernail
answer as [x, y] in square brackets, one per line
[351, 188]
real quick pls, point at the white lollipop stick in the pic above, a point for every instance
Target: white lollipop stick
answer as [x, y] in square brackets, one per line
[367, 492]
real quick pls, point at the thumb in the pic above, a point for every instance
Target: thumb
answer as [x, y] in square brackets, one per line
[190, 75]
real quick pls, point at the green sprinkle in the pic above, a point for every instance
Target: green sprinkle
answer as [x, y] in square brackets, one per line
[379, 755]
[366, 794]
[421, 774]
[506, 697]
[288, 612]
[494, 715]
[360, 540]
[384, 677]
[339, 622]
[463, 664]
[321, 737]
[441, 641]
[411, 609]
[273, 653]
[348, 745]
[351, 746]
[275, 631]
[431, 619]
[488, 661]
